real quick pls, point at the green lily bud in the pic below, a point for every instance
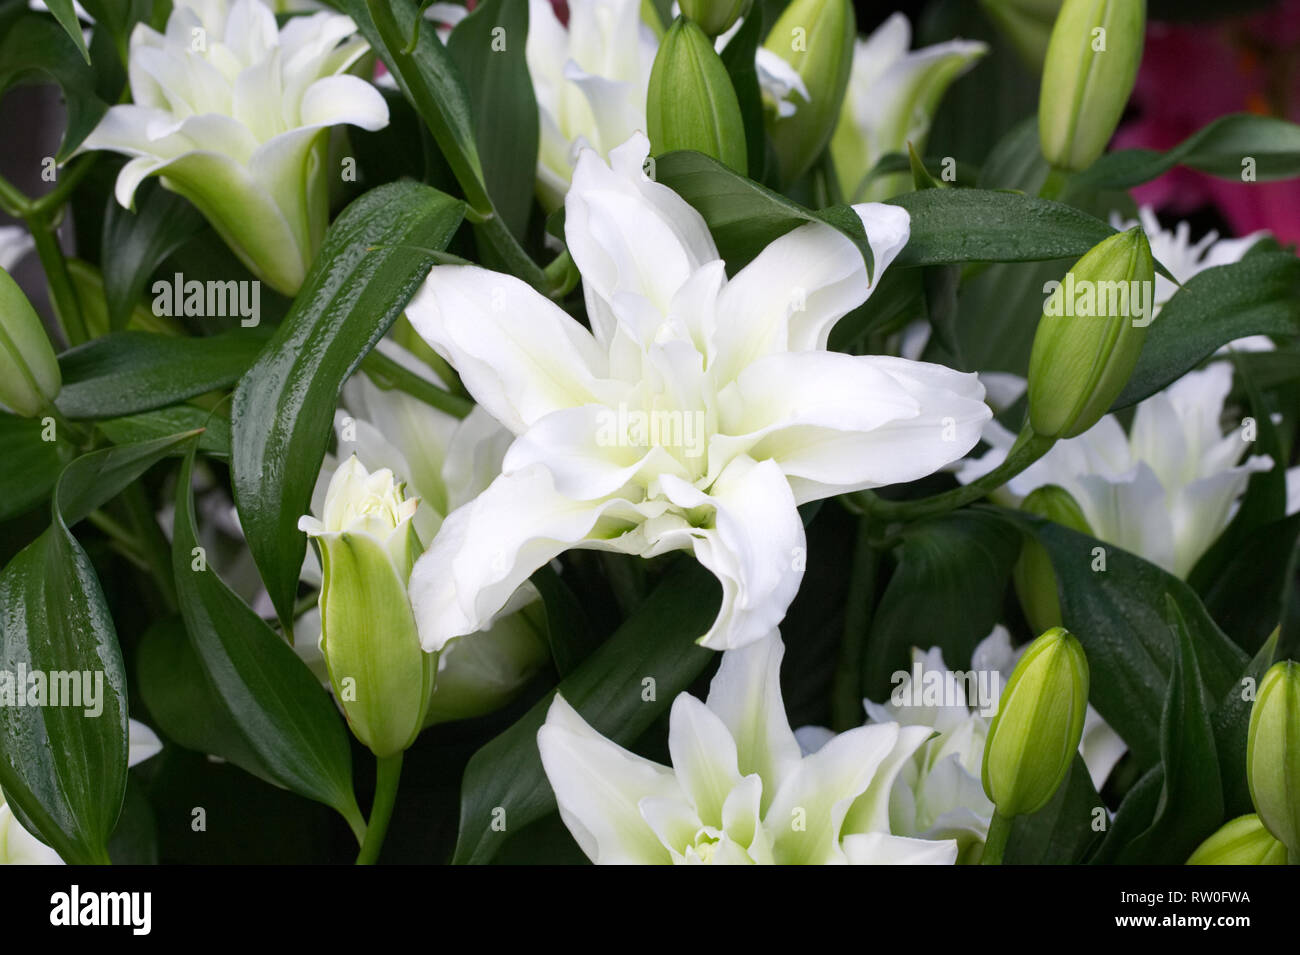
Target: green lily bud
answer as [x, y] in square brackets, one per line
[1034, 578]
[380, 674]
[691, 103]
[1243, 841]
[1090, 335]
[29, 372]
[815, 37]
[715, 17]
[1273, 752]
[1035, 734]
[1027, 24]
[1092, 63]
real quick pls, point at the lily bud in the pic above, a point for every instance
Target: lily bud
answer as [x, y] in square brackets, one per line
[1273, 752]
[815, 37]
[380, 674]
[691, 103]
[29, 372]
[1090, 335]
[1091, 65]
[1243, 841]
[1033, 575]
[1035, 734]
[715, 17]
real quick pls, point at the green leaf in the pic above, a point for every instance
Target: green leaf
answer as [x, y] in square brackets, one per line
[63, 12]
[1244, 593]
[184, 702]
[502, 103]
[568, 631]
[63, 770]
[1260, 295]
[1190, 805]
[374, 257]
[1133, 817]
[657, 642]
[32, 464]
[1231, 724]
[743, 216]
[283, 714]
[978, 225]
[1061, 833]
[214, 441]
[135, 840]
[128, 372]
[1218, 149]
[738, 56]
[136, 243]
[36, 49]
[428, 77]
[1288, 645]
[1116, 614]
[946, 591]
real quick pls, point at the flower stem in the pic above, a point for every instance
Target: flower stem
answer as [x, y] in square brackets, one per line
[67, 308]
[391, 374]
[846, 690]
[1029, 447]
[388, 772]
[995, 844]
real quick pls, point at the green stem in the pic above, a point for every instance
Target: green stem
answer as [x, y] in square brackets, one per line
[1029, 447]
[846, 690]
[388, 772]
[12, 201]
[55, 198]
[512, 254]
[995, 844]
[394, 375]
[1054, 184]
[561, 275]
[66, 307]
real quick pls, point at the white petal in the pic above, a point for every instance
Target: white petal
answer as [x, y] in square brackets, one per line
[142, 743]
[520, 355]
[880, 848]
[1101, 747]
[344, 99]
[704, 757]
[598, 785]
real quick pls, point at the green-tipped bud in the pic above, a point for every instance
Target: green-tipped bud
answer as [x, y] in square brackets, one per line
[1092, 62]
[815, 37]
[691, 103]
[1091, 333]
[380, 674]
[1027, 24]
[29, 372]
[1273, 752]
[1035, 734]
[1033, 575]
[1243, 841]
[715, 17]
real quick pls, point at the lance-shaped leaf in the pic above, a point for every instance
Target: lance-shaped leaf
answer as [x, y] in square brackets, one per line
[374, 257]
[283, 714]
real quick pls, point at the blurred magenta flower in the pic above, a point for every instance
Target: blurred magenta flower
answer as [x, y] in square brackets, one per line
[1244, 64]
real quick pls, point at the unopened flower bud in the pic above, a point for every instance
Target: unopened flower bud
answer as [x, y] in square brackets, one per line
[715, 17]
[1091, 65]
[815, 37]
[1035, 734]
[691, 103]
[1273, 752]
[1243, 841]
[1090, 335]
[1033, 575]
[380, 674]
[29, 372]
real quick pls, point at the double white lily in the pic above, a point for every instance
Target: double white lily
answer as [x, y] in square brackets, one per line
[232, 112]
[738, 792]
[890, 101]
[590, 78]
[1166, 490]
[696, 414]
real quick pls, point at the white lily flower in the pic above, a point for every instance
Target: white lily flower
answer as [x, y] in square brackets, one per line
[445, 462]
[590, 79]
[697, 414]
[20, 847]
[890, 101]
[738, 792]
[233, 113]
[938, 794]
[779, 82]
[1164, 491]
[15, 242]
